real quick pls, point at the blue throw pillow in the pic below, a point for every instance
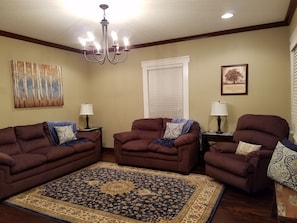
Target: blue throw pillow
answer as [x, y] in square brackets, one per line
[286, 142]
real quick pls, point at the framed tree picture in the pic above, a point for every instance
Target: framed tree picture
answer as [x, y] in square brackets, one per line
[234, 79]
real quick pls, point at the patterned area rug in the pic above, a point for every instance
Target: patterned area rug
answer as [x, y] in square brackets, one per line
[106, 192]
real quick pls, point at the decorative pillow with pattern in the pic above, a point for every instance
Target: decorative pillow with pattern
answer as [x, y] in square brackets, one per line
[283, 166]
[244, 148]
[65, 133]
[173, 130]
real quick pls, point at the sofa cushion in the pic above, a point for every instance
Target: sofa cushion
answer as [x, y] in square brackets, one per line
[6, 159]
[54, 153]
[283, 166]
[31, 145]
[137, 145]
[8, 142]
[173, 130]
[151, 124]
[244, 148]
[83, 146]
[10, 149]
[64, 133]
[231, 163]
[162, 149]
[7, 136]
[267, 141]
[26, 161]
[28, 132]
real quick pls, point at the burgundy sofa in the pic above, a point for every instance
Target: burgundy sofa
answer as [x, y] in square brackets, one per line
[29, 157]
[247, 172]
[137, 147]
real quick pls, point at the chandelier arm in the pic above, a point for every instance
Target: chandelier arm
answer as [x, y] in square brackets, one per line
[94, 59]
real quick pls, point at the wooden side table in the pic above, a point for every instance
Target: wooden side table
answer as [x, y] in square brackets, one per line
[93, 129]
[210, 137]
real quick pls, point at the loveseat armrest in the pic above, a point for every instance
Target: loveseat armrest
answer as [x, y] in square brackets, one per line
[260, 154]
[92, 136]
[123, 137]
[6, 159]
[223, 147]
[185, 139]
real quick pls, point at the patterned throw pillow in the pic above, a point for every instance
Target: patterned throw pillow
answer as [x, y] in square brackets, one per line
[244, 148]
[65, 133]
[173, 130]
[283, 166]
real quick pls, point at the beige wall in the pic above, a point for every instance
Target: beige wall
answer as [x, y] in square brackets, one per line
[116, 91]
[75, 80]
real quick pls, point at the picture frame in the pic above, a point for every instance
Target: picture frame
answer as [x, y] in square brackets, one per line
[36, 85]
[234, 79]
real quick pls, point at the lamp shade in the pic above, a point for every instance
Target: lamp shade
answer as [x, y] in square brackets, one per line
[86, 109]
[218, 108]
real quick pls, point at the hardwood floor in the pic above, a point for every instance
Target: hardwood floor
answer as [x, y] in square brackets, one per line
[235, 206]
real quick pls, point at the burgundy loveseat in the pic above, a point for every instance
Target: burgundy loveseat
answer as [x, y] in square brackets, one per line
[29, 157]
[138, 148]
[247, 172]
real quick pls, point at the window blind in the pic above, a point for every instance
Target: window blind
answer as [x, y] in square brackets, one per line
[165, 92]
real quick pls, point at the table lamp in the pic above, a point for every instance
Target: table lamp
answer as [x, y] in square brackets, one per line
[219, 109]
[86, 109]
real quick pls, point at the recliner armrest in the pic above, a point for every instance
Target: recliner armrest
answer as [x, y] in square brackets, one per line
[224, 147]
[125, 136]
[264, 154]
[185, 139]
[6, 159]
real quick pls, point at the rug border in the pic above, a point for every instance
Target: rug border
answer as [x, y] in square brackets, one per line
[35, 212]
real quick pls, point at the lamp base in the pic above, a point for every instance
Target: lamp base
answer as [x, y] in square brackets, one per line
[87, 121]
[219, 132]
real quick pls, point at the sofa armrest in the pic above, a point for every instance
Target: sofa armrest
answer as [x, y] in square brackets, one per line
[185, 139]
[125, 136]
[223, 147]
[261, 154]
[92, 136]
[6, 159]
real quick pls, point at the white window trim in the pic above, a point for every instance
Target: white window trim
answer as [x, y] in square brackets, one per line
[293, 44]
[167, 63]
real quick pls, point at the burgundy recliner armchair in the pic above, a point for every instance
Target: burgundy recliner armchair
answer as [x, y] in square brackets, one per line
[247, 172]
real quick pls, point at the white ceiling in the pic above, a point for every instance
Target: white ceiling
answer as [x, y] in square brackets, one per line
[142, 21]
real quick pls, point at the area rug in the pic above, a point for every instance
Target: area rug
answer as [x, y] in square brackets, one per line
[105, 192]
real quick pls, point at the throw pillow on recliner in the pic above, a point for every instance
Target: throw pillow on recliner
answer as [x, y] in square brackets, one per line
[283, 166]
[244, 148]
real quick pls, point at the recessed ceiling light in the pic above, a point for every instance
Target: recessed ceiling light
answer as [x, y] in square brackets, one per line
[227, 15]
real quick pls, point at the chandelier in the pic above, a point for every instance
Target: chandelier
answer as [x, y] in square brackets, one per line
[97, 53]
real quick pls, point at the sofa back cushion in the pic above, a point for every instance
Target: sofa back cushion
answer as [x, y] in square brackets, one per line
[32, 137]
[8, 142]
[148, 128]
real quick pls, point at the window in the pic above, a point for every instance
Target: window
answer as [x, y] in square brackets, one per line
[165, 88]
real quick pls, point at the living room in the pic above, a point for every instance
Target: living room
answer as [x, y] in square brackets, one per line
[114, 89]
[116, 92]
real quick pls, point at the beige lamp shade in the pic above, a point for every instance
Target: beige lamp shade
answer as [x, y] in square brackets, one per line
[218, 108]
[86, 109]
